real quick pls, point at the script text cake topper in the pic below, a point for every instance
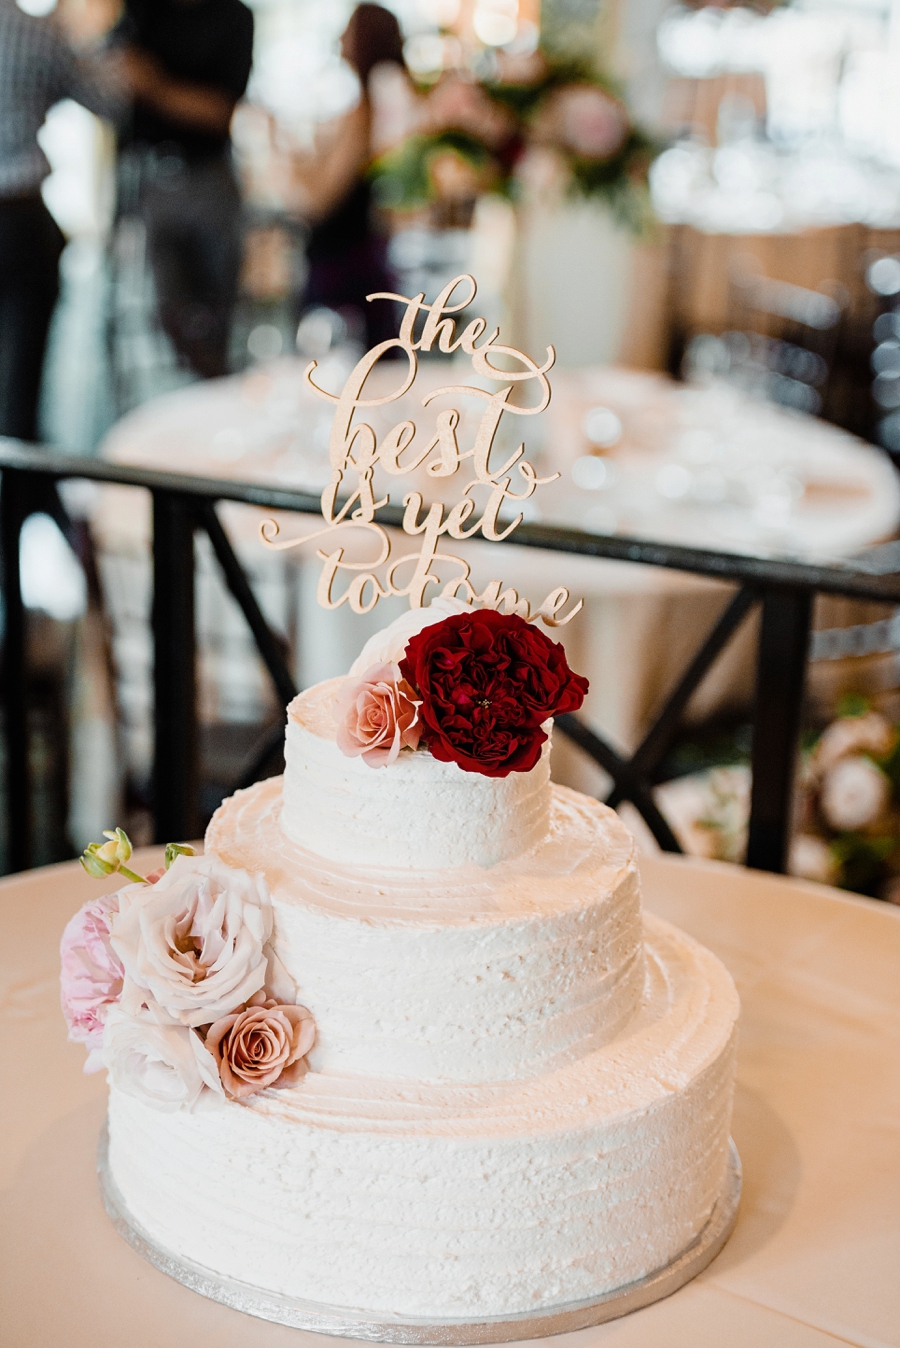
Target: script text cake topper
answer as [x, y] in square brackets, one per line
[349, 501]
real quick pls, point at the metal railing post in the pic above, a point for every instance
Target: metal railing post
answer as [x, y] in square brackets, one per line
[175, 760]
[13, 675]
[780, 677]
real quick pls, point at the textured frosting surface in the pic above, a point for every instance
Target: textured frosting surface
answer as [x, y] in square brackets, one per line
[466, 975]
[458, 1200]
[418, 814]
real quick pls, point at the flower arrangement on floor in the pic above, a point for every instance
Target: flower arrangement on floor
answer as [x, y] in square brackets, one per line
[848, 828]
[473, 135]
[172, 985]
[847, 809]
[476, 689]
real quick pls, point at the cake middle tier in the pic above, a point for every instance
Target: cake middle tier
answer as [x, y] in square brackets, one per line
[470, 974]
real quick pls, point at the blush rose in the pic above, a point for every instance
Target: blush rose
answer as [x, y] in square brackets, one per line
[377, 716]
[488, 681]
[264, 1045]
[196, 942]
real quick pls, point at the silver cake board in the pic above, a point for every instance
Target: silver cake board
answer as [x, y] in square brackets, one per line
[382, 1327]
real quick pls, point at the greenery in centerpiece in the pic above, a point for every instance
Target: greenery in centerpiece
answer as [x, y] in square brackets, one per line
[475, 133]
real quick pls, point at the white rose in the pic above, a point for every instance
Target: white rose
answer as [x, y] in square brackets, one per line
[165, 1066]
[854, 793]
[869, 734]
[811, 859]
[196, 940]
[388, 646]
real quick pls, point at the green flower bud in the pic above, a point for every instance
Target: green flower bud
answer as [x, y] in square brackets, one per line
[101, 859]
[95, 865]
[174, 850]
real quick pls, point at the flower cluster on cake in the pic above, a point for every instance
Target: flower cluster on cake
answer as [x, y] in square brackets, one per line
[476, 688]
[172, 983]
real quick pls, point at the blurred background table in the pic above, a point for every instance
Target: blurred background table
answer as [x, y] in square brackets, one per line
[637, 453]
[812, 1262]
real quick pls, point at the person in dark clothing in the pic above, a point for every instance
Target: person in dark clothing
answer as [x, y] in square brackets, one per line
[37, 70]
[346, 251]
[188, 63]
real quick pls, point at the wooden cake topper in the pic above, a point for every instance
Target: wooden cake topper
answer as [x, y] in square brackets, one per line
[355, 453]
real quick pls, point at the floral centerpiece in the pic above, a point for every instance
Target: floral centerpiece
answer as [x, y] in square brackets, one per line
[472, 136]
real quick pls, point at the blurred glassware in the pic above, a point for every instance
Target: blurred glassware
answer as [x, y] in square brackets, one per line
[592, 473]
[602, 427]
[320, 329]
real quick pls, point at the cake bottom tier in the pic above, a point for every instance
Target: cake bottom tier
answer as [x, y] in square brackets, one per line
[457, 1201]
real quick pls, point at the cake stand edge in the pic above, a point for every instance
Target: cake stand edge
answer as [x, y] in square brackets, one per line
[346, 1323]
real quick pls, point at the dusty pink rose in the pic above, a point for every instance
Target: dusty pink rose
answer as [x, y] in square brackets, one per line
[265, 1045]
[91, 975]
[377, 715]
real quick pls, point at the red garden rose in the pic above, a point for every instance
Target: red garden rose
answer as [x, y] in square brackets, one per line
[487, 682]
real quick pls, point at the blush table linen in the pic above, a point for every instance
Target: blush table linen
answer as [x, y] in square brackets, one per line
[813, 1261]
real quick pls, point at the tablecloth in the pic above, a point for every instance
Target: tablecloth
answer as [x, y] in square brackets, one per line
[813, 1261]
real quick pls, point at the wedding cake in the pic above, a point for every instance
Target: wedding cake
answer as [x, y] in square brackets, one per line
[402, 1041]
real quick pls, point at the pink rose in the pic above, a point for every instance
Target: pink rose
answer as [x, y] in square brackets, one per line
[91, 975]
[377, 715]
[265, 1045]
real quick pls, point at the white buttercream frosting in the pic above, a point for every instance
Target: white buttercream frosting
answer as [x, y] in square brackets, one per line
[418, 813]
[461, 975]
[458, 1201]
[387, 646]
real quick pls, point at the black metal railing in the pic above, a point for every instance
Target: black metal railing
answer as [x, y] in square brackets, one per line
[783, 590]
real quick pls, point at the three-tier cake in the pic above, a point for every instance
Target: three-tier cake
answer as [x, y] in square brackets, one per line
[520, 1090]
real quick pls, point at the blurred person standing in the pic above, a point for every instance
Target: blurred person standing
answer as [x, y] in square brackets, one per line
[188, 63]
[347, 250]
[37, 70]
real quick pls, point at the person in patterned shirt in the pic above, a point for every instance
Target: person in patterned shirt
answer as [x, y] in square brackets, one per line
[38, 68]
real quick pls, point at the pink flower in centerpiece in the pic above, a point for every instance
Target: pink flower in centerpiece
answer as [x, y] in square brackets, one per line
[91, 975]
[588, 121]
[265, 1045]
[377, 715]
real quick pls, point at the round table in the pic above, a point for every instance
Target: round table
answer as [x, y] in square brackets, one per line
[814, 1257]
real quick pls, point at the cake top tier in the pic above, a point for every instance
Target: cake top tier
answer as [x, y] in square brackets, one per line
[434, 751]
[418, 814]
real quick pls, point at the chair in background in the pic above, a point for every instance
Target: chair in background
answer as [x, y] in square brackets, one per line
[781, 338]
